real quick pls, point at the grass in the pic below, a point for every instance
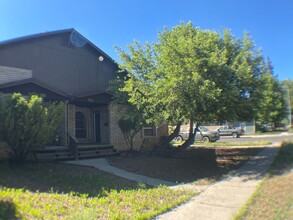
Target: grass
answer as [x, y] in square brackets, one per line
[59, 191]
[229, 144]
[274, 197]
[268, 132]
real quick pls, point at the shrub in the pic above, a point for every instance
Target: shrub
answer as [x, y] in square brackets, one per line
[28, 123]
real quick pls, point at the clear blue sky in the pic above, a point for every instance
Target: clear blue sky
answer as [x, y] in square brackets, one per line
[108, 22]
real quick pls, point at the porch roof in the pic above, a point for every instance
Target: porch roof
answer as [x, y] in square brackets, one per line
[91, 99]
[31, 85]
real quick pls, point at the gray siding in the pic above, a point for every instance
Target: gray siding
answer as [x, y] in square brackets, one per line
[54, 62]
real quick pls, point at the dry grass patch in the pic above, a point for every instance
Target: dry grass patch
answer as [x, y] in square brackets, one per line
[273, 199]
[200, 165]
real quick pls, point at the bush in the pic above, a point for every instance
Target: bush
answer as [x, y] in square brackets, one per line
[28, 123]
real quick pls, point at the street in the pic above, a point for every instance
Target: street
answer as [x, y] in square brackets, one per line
[275, 138]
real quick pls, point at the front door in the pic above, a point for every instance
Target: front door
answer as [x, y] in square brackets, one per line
[97, 127]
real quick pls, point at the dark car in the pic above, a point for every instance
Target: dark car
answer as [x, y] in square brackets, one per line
[230, 131]
[202, 134]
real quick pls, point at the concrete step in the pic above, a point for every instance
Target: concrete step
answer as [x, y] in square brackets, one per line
[54, 156]
[96, 153]
[95, 146]
[58, 153]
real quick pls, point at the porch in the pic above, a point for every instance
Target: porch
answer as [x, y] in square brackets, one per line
[85, 131]
[82, 151]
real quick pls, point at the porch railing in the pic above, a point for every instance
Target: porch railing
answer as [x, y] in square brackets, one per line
[73, 144]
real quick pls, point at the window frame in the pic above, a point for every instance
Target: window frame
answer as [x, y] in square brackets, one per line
[80, 131]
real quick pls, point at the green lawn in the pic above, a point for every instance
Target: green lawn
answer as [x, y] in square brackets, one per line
[59, 191]
[274, 197]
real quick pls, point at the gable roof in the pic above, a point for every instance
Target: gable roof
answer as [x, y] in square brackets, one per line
[51, 33]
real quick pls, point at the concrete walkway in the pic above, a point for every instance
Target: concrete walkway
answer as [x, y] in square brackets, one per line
[219, 201]
[222, 200]
[102, 164]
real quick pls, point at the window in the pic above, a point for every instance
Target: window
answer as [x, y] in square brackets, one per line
[80, 125]
[149, 131]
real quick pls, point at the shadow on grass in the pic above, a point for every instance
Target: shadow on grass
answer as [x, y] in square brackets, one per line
[8, 210]
[194, 164]
[257, 167]
[276, 161]
[62, 178]
[283, 162]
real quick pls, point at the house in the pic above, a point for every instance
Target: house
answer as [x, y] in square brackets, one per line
[65, 66]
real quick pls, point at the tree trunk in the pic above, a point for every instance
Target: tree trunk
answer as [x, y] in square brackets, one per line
[192, 134]
[164, 142]
[163, 147]
[175, 133]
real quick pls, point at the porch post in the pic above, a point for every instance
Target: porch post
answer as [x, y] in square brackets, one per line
[66, 124]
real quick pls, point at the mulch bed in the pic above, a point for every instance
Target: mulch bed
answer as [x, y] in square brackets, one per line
[200, 165]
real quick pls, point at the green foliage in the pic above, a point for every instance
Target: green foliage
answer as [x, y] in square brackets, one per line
[8, 210]
[272, 104]
[130, 124]
[133, 120]
[288, 89]
[28, 123]
[193, 74]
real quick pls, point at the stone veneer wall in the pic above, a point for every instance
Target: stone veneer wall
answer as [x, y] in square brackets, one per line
[139, 142]
[116, 136]
[71, 119]
[148, 142]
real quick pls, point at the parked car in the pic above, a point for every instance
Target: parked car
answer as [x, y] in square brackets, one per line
[202, 134]
[230, 131]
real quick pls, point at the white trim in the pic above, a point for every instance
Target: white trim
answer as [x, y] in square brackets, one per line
[149, 136]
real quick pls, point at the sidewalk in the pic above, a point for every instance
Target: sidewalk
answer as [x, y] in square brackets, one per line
[219, 201]
[268, 135]
[222, 200]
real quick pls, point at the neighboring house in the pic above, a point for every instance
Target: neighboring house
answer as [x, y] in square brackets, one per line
[65, 66]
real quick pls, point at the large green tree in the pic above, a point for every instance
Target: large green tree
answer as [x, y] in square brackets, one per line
[272, 104]
[193, 74]
[28, 123]
[288, 89]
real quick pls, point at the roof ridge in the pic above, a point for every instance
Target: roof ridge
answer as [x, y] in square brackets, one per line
[32, 36]
[49, 33]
